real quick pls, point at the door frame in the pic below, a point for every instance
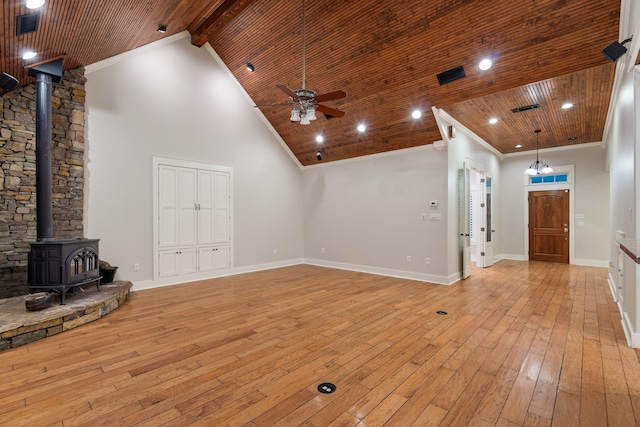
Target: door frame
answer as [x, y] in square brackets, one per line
[464, 209]
[569, 185]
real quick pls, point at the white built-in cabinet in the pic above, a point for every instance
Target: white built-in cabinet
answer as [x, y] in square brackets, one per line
[194, 220]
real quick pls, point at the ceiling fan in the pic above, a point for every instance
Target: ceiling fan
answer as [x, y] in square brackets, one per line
[306, 102]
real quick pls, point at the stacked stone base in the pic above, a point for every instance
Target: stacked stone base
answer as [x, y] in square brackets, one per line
[19, 326]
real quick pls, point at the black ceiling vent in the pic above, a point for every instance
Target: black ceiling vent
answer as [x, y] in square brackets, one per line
[525, 108]
[26, 24]
[451, 75]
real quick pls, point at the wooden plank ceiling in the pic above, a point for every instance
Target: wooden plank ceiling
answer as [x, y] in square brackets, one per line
[385, 55]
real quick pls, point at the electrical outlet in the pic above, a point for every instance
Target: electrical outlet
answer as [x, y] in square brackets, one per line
[322, 250]
[427, 261]
[408, 258]
[136, 267]
[275, 251]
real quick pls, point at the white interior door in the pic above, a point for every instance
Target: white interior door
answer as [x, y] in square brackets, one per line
[464, 213]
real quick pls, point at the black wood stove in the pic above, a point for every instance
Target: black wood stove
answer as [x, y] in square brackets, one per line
[54, 264]
[59, 265]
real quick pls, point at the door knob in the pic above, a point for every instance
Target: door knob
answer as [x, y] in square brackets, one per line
[566, 229]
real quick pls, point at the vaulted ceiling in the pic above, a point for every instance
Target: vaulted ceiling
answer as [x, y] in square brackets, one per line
[385, 54]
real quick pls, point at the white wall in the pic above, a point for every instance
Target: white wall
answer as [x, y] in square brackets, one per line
[591, 195]
[175, 100]
[367, 214]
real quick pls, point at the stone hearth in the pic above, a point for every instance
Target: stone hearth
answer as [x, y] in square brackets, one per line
[19, 326]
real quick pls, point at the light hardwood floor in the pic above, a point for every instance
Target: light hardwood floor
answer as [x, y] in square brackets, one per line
[522, 344]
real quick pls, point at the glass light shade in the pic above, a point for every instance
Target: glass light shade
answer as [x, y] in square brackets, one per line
[304, 119]
[546, 169]
[295, 115]
[531, 171]
[311, 113]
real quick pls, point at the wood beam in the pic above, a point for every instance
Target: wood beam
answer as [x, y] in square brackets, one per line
[228, 10]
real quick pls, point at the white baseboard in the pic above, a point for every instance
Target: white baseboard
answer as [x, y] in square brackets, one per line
[612, 288]
[633, 338]
[591, 262]
[175, 280]
[513, 257]
[439, 280]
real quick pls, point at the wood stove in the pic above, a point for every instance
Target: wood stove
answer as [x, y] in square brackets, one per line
[59, 265]
[54, 264]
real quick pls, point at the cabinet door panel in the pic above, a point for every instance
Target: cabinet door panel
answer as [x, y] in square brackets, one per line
[222, 257]
[188, 200]
[222, 225]
[205, 206]
[188, 260]
[168, 206]
[206, 258]
[168, 263]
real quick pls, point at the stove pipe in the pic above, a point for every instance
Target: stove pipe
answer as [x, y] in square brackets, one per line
[44, 187]
[45, 73]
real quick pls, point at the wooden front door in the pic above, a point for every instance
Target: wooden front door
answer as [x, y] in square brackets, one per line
[549, 226]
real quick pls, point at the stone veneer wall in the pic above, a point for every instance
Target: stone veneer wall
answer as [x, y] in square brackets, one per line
[17, 173]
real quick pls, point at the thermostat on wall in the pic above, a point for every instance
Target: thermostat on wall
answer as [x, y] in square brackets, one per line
[433, 203]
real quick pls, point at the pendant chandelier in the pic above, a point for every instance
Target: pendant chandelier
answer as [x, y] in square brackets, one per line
[538, 167]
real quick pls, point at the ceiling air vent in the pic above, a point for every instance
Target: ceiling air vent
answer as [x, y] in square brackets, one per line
[525, 108]
[451, 75]
[26, 24]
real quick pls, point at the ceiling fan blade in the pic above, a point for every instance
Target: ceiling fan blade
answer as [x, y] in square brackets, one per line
[288, 91]
[338, 94]
[329, 111]
[272, 105]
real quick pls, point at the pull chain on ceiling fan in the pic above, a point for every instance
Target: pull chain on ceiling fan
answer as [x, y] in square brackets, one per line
[305, 102]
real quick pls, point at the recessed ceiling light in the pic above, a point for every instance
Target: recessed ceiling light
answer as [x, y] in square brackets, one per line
[361, 128]
[250, 67]
[573, 138]
[485, 64]
[29, 54]
[567, 105]
[34, 4]
[416, 114]
[519, 146]
[493, 121]
[162, 29]
[319, 139]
